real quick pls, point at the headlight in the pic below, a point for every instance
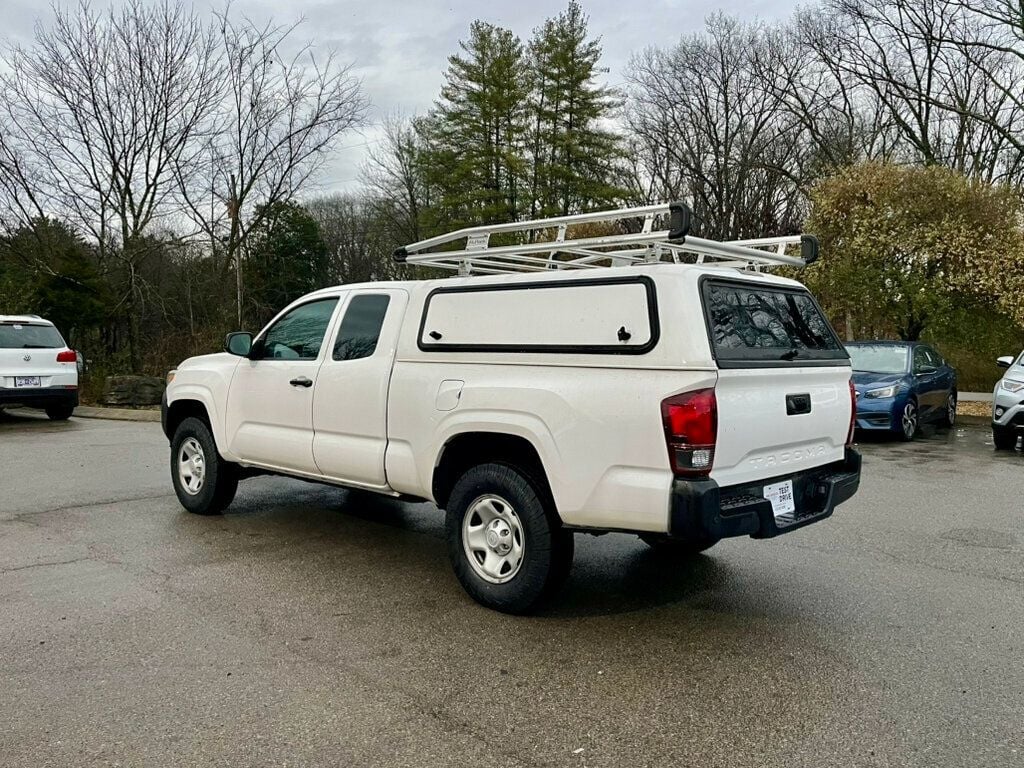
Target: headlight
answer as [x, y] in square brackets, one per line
[889, 391]
[170, 375]
[1009, 385]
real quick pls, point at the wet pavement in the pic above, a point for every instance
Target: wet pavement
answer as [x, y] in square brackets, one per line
[312, 626]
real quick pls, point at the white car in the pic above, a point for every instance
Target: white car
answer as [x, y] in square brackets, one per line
[685, 403]
[37, 368]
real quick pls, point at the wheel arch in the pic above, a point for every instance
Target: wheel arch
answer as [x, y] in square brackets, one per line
[467, 449]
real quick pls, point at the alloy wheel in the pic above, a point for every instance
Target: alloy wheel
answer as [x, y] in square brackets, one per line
[909, 420]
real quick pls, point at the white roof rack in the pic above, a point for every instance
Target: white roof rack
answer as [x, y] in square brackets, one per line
[541, 251]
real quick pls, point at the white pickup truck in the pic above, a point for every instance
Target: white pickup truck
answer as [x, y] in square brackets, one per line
[683, 402]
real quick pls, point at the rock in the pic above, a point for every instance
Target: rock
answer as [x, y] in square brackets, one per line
[133, 390]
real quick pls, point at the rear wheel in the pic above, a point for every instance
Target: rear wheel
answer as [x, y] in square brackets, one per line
[505, 541]
[60, 412]
[949, 417]
[204, 483]
[1004, 439]
[678, 547]
[909, 420]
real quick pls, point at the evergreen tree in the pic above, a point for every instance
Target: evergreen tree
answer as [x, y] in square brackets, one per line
[475, 135]
[286, 259]
[574, 159]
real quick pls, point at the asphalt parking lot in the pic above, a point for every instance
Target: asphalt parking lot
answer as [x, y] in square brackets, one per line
[311, 626]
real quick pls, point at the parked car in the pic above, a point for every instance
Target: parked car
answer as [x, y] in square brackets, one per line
[685, 403]
[1008, 403]
[37, 368]
[901, 385]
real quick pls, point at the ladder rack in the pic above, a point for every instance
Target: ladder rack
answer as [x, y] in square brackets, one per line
[542, 251]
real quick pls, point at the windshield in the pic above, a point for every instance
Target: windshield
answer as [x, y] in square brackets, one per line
[878, 358]
[29, 336]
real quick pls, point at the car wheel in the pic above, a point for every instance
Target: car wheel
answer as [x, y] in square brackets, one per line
[204, 482]
[505, 540]
[909, 420]
[670, 546]
[949, 417]
[60, 412]
[1004, 439]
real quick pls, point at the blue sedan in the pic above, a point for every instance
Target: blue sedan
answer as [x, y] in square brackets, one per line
[900, 385]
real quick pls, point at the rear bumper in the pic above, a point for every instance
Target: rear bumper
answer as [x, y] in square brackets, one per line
[39, 397]
[701, 509]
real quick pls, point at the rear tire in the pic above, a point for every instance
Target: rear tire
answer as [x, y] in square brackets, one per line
[505, 541]
[670, 546]
[60, 412]
[204, 482]
[1004, 439]
[949, 417]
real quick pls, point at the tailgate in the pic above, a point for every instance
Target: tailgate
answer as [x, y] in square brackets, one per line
[783, 387]
[774, 421]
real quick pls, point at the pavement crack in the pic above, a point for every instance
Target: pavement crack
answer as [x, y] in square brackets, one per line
[46, 564]
[21, 516]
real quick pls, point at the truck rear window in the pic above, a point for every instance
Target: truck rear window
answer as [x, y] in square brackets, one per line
[29, 336]
[765, 325]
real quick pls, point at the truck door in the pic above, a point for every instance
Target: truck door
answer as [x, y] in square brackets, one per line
[269, 419]
[351, 397]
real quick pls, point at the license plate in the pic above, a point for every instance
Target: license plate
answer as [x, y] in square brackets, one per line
[781, 497]
[27, 381]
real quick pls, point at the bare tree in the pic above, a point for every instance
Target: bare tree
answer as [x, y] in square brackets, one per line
[393, 178]
[709, 130]
[359, 243]
[280, 114]
[911, 59]
[95, 117]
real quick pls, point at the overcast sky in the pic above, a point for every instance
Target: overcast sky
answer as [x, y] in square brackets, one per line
[399, 48]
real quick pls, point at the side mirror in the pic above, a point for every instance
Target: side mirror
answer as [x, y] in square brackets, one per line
[239, 343]
[925, 370]
[1005, 361]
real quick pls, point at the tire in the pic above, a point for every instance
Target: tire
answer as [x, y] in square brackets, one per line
[1004, 439]
[60, 412]
[494, 511]
[910, 421]
[212, 489]
[663, 544]
[949, 417]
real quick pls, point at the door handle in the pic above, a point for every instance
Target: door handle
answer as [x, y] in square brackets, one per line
[302, 381]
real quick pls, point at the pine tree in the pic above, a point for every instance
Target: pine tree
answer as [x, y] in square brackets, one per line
[475, 135]
[574, 159]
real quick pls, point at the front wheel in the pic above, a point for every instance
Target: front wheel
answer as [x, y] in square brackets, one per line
[908, 421]
[505, 541]
[949, 417]
[204, 483]
[1004, 439]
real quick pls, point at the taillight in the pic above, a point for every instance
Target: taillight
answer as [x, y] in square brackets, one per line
[691, 430]
[853, 414]
[67, 356]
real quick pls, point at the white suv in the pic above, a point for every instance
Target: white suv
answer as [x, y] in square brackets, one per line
[37, 368]
[681, 402]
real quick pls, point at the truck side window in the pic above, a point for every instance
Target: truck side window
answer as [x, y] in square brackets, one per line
[360, 328]
[300, 333]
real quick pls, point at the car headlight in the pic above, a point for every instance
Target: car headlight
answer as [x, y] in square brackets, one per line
[1009, 385]
[889, 391]
[170, 375]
